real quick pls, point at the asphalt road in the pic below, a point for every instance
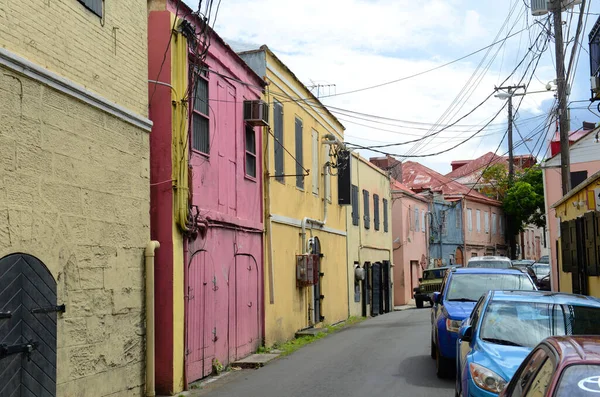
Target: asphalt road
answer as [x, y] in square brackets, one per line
[386, 356]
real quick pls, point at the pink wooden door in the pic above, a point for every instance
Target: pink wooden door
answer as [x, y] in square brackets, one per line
[227, 134]
[200, 348]
[246, 322]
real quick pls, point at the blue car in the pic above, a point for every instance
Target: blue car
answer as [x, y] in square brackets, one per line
[460, 290]
[506, 325]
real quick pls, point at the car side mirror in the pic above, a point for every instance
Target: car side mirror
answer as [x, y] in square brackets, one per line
[437, 297]
[465, 333]
[420, 279]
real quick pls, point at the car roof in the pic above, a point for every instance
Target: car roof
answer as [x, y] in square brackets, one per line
[485, 270]
[489, 258]
[558, 298]
[576, 348]
[438, 268]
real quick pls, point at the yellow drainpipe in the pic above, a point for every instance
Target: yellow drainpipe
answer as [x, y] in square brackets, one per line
[149, 256]
[267, 201]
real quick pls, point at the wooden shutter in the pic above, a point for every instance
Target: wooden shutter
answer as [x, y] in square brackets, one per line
[591, 257]
[299, 157]
[565, 247]
[385, 215]
[278, 141]
[355, 215]
[367, 212]
[573, 245]
[376, 211]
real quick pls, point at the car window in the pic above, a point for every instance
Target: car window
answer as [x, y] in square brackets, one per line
[433, 274]
[470, 286]
[539, 384]
[490, 264]
[526, 371]
[519, 323]
[580, 380]
[444, 282]
[476, 313]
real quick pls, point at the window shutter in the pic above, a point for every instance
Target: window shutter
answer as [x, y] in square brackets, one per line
[597, 221]
[367, 212]
[573, 244]
[94, 6]
[591, 256]
[316, 170]
[385, 215]
[376, 211]
[355, 215]
[278, 144]
[299, 152]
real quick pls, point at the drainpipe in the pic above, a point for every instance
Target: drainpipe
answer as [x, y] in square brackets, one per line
[464, 230]
[149, 257]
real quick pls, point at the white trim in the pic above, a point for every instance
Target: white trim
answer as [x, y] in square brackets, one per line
[51, 79]
[285, 220]
[299, 94]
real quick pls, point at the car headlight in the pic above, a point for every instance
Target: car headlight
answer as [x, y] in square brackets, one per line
[486, 378]
[453, 325]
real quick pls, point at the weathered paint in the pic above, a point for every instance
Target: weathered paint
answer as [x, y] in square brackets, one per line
[445, 240]
[582, 199]
[410, 245]
[481, 242]
[367, 245]
[74, 188]
[289, 311]
[213, 299]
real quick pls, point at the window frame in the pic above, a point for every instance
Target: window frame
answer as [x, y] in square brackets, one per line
[486, 221]
[200, 72]
[478, 220]
[247, 153]
[494, 223]
[470, 219]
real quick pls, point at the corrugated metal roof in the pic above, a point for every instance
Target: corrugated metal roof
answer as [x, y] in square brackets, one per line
[473, 168]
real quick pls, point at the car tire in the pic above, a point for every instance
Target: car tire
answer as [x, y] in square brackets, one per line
[442, 366]
[433, 350]
[419, 303]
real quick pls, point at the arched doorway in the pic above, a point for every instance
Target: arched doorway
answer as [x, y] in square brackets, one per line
[459, 256]
[27, 327]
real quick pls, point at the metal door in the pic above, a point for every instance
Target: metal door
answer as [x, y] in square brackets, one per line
[27, 327]
[317, 296]
[200, 316]
[387, 299]
[376, 289]
[246, 301]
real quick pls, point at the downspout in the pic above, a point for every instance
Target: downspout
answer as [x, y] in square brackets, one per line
[464, 230]
[268, 222]
[150, 338]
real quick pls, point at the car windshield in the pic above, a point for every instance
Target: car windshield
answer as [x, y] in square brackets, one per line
[490, 264]
[579, 380]
[544, 259]
[470, 287]
[528, 323]
[433, 274]
[541, 270]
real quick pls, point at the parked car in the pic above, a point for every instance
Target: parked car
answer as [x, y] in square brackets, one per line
[544, 259]
[506, 325]
[496, 262]
[559, 366]
[543, 283]
[461, 288]
[430, 282]
[522, 262]
[542, 274]
[528, 270]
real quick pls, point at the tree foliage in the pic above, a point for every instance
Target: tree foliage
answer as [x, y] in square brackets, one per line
[495, 181]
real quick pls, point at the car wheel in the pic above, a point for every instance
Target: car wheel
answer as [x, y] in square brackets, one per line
[419, 303]
[442, 366]
[433, 350]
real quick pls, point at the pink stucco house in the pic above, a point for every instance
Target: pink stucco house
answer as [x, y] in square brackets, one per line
[206, 198]
[585, 161]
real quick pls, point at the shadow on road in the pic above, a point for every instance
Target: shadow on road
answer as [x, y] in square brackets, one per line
[420, 371]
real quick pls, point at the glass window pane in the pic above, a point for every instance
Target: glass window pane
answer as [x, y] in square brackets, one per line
[200, 135]
[201, 96]
[251, 165]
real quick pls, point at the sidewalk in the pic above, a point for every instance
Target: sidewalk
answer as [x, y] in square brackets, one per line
[410, 305]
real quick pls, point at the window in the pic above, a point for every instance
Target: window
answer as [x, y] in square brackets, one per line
[457, 215]
[577, 177]
[355, 215]
[299, 152]
[94, 6]
[411, 225]
[250, 151]
[535, 361]
[278, 144]
[501, 224]
[316, 172]
[486, 221]
[366, 210]
[470, 219]
[494, 223]
[376, 211]
[416, 219]
[385, 215]
[200, 117]
[423, 220]
[478, 220]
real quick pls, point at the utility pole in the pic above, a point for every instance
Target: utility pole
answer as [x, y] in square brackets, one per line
[512, 243]
[565, 157]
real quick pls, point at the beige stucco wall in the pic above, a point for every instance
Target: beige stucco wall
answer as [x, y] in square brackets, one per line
[368, 245]
[74, 180]
[482, 242]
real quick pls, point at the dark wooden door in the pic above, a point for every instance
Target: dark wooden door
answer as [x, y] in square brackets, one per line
[27, 327]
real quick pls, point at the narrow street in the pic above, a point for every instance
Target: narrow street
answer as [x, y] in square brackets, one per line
[382, 357]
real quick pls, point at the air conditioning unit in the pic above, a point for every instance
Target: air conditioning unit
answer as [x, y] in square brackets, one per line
[307, 270]
[539, 7]
[256, 113]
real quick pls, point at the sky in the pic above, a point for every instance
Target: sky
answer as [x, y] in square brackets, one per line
[345, 45]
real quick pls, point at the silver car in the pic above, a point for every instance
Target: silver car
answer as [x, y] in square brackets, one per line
[495, 262]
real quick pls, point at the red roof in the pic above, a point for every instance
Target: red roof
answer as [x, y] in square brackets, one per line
[419, 177]
[474, 168]
[574, 136]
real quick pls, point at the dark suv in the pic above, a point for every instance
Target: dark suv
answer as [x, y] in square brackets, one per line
[430, 283]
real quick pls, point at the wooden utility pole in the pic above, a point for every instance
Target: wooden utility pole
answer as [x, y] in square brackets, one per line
[563, 116]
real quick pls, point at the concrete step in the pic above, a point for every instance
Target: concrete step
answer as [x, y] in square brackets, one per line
[255, 360]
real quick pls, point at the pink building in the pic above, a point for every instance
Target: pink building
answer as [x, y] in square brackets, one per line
[409, 235]
[585, 161]
[206, 199]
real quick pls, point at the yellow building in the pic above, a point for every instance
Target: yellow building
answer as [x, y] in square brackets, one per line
[369, 241]
[302, 214]
[74, 195]
[578, 214]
